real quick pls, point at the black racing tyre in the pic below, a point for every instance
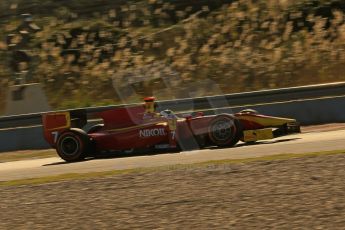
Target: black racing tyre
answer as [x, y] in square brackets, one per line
[225, 130]
[95, 128]
[73, 145]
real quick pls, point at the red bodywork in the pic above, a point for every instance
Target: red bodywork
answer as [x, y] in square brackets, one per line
[129, 128]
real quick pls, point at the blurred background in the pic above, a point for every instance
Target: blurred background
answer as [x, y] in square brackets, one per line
[102, 52]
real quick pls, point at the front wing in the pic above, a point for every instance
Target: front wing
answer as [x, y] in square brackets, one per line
[270, 133]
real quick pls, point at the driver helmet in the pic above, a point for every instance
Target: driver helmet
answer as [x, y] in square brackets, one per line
[150, 105]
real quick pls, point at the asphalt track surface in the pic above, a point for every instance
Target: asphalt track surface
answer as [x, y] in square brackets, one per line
[299, 143]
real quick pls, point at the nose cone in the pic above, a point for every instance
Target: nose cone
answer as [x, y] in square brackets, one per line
[265, 121]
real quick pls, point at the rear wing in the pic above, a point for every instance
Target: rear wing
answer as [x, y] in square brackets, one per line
[55, 123]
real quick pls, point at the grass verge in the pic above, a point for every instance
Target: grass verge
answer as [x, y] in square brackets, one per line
[92, 175]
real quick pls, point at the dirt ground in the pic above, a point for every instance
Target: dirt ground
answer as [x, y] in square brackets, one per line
[302, 193]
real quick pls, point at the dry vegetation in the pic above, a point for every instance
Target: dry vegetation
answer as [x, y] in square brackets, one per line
[90, 53]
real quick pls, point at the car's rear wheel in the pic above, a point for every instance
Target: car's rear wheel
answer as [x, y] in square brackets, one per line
[73, 145]
[224, 130]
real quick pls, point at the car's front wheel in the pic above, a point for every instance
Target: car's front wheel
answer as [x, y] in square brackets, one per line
[73, 145]
[224, 130]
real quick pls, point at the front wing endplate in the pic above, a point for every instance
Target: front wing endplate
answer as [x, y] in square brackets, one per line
[258, 134]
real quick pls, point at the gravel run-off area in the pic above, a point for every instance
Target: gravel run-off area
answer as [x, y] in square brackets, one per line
[299, 193]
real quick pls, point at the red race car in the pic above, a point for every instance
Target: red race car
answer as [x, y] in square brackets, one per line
[140, 127]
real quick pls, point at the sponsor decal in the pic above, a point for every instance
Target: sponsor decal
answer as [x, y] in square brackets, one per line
[152, 132]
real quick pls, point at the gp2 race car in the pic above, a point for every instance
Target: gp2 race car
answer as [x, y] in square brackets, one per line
[140, 127]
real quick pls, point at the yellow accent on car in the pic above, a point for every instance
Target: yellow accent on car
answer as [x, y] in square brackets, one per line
[258, 134]
[67, 117]
[266, 121]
